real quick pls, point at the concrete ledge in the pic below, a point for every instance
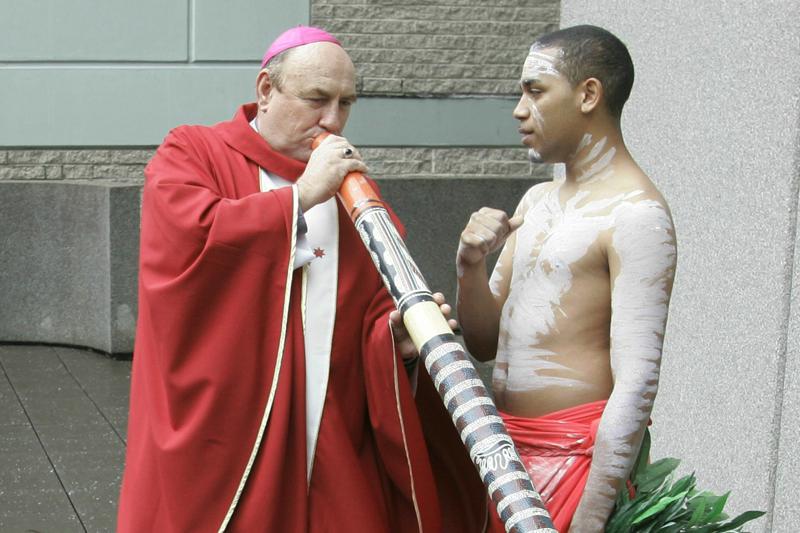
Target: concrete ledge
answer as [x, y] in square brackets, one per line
[68, 260]
[69, 251]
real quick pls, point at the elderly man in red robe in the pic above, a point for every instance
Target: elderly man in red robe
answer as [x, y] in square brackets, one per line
[269, 391]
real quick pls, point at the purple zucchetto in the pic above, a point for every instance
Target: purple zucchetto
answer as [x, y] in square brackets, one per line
[297, 36]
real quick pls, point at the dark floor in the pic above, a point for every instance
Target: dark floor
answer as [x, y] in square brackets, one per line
[63, 416]
[63, 421]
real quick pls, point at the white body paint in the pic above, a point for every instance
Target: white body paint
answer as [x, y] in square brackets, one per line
[644, 242]
[596, 166]
[585, 141]
[549, 242]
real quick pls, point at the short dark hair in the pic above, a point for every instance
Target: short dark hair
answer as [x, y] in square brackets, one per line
[592, 52]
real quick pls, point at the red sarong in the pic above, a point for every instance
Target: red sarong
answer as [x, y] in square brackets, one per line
[556, 450]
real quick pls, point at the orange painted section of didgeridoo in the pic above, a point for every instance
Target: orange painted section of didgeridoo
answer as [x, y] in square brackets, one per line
[355, 192]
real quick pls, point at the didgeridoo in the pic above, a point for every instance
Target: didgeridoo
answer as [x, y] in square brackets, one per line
[473, 412]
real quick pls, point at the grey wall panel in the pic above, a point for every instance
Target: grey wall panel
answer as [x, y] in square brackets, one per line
[68, 259]
[93, 30]
[434, 122]
[138, 105]
[124, 206]
[52, 282]
[115, 106]
[713, 119]
[787, 470]
[435, 211]
[241, 30]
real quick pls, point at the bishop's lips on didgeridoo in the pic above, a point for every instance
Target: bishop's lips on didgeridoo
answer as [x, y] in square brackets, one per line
[471, 408]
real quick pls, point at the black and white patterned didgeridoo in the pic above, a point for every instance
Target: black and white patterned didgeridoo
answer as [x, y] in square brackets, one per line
[473, 412]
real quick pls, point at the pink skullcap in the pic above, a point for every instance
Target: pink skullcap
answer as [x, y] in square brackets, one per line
[297, 36]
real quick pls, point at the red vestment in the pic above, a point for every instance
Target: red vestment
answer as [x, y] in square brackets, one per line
[212, 282]
[556, 450]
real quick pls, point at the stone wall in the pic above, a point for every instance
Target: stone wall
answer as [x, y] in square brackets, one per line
[439, 47]
[120, 164]
[127, 165]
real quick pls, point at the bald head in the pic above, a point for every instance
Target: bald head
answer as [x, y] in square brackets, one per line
[302, 92]
[326, 60]
[277, 66]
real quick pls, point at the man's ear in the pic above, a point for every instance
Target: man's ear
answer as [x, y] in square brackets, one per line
[591, 92]
[263, 89]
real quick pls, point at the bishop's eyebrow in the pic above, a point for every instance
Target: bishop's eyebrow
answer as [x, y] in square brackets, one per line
[319, 92]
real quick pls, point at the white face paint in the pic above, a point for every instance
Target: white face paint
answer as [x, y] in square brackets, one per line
[538, 65]
[595, 150]
[534, 156]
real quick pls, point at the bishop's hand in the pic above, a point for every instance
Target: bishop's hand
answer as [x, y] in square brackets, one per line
[329, 163]
[402, 340]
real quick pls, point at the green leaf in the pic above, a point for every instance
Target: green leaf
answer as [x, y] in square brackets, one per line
[699, 510]
[662, 504]
[644, 457]
[684, 484]
[656, 473]
[622, 518]
[742, 519]
[715, 512]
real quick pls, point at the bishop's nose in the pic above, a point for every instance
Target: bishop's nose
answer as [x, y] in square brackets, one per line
[333, 119]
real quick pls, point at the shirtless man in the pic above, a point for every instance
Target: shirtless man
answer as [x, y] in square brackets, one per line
[576, 307]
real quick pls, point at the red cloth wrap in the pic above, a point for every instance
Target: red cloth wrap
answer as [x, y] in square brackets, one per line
[556, 450]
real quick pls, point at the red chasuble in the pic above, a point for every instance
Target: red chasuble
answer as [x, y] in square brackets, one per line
[216, 436]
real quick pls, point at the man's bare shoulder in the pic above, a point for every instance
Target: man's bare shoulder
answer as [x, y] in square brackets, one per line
[650, 196]
[643, 220]
[638, 212]
[635, 188]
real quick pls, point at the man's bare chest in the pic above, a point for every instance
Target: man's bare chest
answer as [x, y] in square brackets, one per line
[558, 243]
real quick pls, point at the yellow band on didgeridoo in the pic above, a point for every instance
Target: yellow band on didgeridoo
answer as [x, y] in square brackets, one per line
[425, 321]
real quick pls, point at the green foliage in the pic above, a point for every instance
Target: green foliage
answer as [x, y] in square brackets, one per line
[663, 506]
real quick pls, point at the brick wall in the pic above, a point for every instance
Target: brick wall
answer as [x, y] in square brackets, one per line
[127, 165]
[411, 48]
[437, 47]
[119, 164]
